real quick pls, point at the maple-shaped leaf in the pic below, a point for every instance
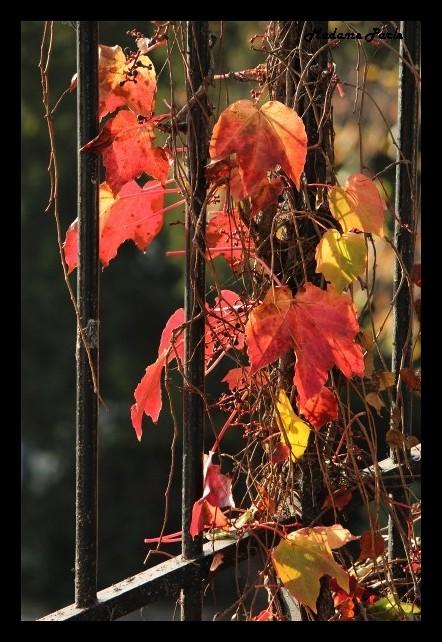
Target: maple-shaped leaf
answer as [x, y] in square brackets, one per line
[305, 556]
[217, 487]
[204, 515]
[358, 205]
[320, 325]
[341, 257]
[294, 432]
[148, 392]
[372, 545]
[320, 408]
[135, 214]
[228, 232]
[262, 138]
[126, 146]
[119, 87]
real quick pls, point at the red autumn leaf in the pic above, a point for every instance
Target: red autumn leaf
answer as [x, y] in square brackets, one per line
[372, 545]
[266, 194]
[262, 138]
[236, 378]
[118, 87]
[217, 487]
[135, 214]
[339, 500]
[127, 150]
[416, 274]
[319, 325]
[204, 515]
[411, 378]
[228, 232]
[320, 408]
[148, 392]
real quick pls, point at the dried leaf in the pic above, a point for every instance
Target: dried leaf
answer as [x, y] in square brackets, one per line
[339, 499]
[374, 400]
[372, 545]
[411, 378]
[394, 438]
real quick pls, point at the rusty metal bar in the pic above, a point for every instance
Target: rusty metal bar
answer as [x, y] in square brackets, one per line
[194, 297]
[404, 239]
[88, 306]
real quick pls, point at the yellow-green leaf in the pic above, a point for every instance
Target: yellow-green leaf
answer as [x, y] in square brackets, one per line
[294, 431]
[358, 205]
[305, 556]
[341, 257]
[387, 609]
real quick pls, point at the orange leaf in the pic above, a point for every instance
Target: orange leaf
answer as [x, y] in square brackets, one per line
[134, 214]
[319, 325]
[266, 194]
[118, 89]
[372, 545]
[320, 408]
[261, 138]
[358, 205]
[127, 150]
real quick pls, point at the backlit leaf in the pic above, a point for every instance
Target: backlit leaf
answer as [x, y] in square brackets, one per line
[134, 214]
[118, 89]
[305, 556]
[320, 408]
[341, 258]
[319, 325]
[262, 138]
[358, 205]
[294, 431]
[128, 151]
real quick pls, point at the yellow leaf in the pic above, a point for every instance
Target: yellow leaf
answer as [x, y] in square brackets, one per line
[294, 431]
[358, 205]
[305, 556]
[341, 257]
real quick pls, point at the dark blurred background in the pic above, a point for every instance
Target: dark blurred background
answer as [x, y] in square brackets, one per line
[138, 293]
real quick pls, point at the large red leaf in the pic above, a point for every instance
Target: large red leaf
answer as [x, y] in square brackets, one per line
[262, 138]
[319, 325]
[117, 88]
[127, 149]
[134, 214]
[148, 392]
[227, 232]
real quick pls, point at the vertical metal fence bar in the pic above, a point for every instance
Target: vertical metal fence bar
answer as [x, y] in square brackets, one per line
[404, 239]
[88, 306]
[193, 403]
